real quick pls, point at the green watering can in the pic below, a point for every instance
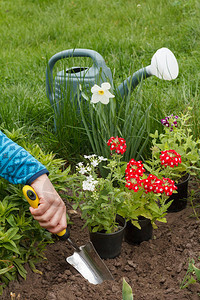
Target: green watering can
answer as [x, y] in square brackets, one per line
[67, 82]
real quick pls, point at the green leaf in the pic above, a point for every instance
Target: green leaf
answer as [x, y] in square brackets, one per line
[163, 220]
[11, 220]
[12, 232]
[126, 291]
[18, 264]
[191, 280]
[33, 268]
[11, 246]
[1, 289]
[5, 270]
[17, 237]
[197, 272]
[155, 135]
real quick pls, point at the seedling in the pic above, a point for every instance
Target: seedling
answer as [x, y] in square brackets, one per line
[192, 274]
[126, 291]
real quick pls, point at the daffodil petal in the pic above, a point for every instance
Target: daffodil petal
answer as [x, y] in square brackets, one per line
[104, 99]
[96, 98]
[108, 94]
[95, 88]
[105, 86]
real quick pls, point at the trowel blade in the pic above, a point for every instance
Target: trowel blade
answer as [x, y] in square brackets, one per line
[89, 264]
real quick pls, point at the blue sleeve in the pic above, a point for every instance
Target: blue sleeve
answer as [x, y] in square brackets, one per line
[16, 164]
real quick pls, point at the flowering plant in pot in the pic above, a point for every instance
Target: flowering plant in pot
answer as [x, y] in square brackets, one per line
[175, 155]
[146, 195]
[145, 202]
[99, 199]
[175, 147]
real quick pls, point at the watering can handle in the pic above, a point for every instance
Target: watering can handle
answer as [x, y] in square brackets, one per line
[33, 200]
[95, 56]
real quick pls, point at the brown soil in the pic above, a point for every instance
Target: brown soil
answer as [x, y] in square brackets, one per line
[154, 269]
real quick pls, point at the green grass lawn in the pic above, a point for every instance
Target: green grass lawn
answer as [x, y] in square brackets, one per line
[125, 32]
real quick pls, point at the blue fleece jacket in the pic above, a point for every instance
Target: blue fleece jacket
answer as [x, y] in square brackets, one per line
[16, 164]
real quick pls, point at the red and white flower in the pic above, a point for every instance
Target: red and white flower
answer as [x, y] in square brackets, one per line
[118, 144]
[170, 158]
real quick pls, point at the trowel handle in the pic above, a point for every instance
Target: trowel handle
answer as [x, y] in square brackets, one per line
[33, 200]
[95, 56]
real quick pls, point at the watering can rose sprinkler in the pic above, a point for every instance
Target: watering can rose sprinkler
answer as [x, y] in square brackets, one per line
[163, 65]
[67, 82]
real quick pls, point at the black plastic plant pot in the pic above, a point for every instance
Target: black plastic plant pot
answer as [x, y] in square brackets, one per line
[134, 235]
[108, 245]
[179, 198]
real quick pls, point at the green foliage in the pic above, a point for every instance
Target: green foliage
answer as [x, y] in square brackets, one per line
[126, 291]
[182, 141]
[58, 170]
[22, 239]
[15, 135]
[192, 275]
[151, 206]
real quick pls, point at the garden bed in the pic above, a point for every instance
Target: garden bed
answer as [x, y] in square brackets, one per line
[154, 269]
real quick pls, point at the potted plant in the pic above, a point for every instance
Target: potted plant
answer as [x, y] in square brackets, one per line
[145, 202]
[100, 199]
[175, 155]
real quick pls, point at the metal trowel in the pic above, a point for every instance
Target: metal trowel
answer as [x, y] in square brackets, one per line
[85, 258]
[88, 263]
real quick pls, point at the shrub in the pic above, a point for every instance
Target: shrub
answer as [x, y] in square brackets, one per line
[21, 237]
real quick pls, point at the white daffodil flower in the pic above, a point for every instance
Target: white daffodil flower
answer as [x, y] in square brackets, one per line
[101, 94]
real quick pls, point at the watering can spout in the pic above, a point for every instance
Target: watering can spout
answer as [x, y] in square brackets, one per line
[163, 65]
[131, 82]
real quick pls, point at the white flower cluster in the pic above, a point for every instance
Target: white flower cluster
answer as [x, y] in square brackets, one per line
[82, 169]
[94, 161]
[89, 184]
[94, 157]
